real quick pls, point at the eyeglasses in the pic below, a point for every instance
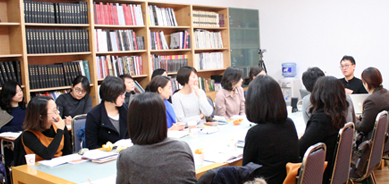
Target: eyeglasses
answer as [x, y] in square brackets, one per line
[344, 66]
[55, 111]
[78, 90]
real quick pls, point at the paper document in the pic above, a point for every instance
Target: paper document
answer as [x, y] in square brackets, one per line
[98, 154]
[222, 156]
[60, 160]
[177, 134]
[10, 134]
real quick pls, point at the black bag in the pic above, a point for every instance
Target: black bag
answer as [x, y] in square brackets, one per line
[360, 157]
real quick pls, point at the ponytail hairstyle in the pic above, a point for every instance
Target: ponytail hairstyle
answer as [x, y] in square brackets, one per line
[372, 77]
[254, 71]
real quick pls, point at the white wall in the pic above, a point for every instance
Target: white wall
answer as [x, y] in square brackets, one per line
[318, 33]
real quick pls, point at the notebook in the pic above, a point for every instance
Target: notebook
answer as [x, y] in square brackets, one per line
[358, 102]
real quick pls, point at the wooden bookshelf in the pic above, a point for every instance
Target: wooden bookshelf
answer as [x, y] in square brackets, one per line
[13, 43]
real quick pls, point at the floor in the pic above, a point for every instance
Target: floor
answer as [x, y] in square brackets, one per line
[382, 176]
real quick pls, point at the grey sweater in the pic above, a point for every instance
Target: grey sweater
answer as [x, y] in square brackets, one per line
[169, 161]
[188, 107]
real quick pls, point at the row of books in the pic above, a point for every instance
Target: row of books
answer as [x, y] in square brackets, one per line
[211, 60]
[118, 40]
[118, 65]
[206, 19]
[171, 63]
[208, 40]
[10, 71]
[63, 13]
[57, 40]
[56, 75]
[208, 84]
[118, 14]
[158, 41]
[180, 40]
[162, 16]
[52, 94]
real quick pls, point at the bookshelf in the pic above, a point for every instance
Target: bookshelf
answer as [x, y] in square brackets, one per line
[15, 26]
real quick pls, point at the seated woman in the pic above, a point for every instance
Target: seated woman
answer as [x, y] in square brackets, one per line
[77, 101]
[328, 115]
[107, 121]
[273, 142]
[163, 86]
[254, 72]
[46, 134]
[190, 103]
[230, 100]
[153, 158]
[130, 88]
[374, 103]
[13, 108]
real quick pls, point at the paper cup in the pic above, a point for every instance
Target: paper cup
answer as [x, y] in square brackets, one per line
[199, 159]
[30, 159]
[192, 126]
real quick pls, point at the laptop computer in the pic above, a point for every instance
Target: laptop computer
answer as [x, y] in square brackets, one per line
[358, 100]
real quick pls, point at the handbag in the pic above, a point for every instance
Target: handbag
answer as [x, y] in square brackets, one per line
[360, 157]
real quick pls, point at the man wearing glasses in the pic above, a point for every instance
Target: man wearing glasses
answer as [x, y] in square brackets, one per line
[352, 84]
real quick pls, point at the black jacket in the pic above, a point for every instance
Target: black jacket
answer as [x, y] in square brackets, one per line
[99, 129]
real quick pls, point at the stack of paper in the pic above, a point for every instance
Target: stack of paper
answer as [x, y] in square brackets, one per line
[60, 160]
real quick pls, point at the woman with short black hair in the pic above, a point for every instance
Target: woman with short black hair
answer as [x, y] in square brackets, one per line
[46, 134]
[273, 142]
[190, 103]
[107, 121]
[77, 101]
[230, 100]
[153, 158]
[328, 114]
[13, 107]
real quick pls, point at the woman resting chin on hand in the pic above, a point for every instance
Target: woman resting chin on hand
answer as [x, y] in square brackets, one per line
[45, 134]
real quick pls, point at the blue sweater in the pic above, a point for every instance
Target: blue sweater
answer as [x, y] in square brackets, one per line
[16, 124]
[170, 115]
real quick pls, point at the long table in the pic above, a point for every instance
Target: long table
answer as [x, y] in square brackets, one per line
[106, 172]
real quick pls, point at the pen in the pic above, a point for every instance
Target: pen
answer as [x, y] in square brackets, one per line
[54, 119]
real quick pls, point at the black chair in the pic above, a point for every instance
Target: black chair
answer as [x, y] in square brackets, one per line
[77, 123]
